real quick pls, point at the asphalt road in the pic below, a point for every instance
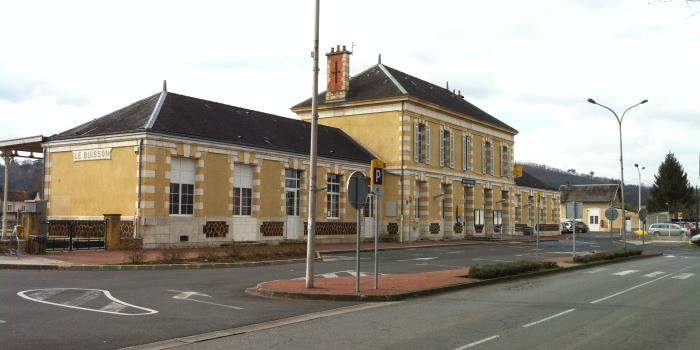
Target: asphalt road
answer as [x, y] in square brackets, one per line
[189, 302]
[644, 304]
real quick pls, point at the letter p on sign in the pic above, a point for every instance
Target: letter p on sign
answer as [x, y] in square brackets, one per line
[377, 173]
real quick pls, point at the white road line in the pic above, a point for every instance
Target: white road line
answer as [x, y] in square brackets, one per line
[670, 256]
[683, 276]
[1, 321]
[28, 294]
[113, 307]
[216, 304]
[42, 294]
[455, 252]
[429, 264]
[637, 286]
[626, 272]
[329, 275]
[87, 296]
[478, 342]
[548, 318]
[415, 259]
[654, 274]
[600, 269]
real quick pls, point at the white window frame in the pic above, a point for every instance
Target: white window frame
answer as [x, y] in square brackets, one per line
[182, 178]
[292, 182]
[466, 152]
[421, 137]
[505, 160]
[479, 217]
[498, 217]
[333, 196]
[242, 190]
[368, 209]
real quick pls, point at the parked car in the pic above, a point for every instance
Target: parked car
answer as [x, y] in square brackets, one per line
[667, 229]
[695, 239]
[580, 227]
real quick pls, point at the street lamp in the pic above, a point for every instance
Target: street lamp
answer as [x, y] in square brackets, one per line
[622, 168]
[639, 188]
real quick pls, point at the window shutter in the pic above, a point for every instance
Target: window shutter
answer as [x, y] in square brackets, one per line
[427, 143]
[464, 152]
[483, 157]
[416, 143]
[470, 152]
[452, 149]
[442, 146]
[491, 165]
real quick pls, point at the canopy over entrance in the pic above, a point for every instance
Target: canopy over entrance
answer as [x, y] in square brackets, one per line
[27, 147]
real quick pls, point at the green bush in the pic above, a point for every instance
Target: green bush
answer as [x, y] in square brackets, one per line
[582, 259]
[508, 269]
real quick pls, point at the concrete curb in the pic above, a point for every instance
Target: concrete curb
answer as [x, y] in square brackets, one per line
[257, 290]
[114, 267]
[468, 242]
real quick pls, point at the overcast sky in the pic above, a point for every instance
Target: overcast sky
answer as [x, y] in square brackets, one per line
[531, 64]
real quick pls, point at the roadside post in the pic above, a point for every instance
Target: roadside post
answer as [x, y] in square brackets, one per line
[574, 210]
[643, 218]
[358, 188]
[377, 183]
[537, 226]
[611, 214]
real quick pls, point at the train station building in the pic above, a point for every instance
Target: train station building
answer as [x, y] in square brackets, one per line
[183, 170]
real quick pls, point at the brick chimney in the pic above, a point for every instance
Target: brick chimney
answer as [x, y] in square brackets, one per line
[338, 69]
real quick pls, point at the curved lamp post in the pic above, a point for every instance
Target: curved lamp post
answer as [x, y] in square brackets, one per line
[622, 168]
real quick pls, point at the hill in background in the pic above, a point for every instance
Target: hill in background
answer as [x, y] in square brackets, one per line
[557, 177]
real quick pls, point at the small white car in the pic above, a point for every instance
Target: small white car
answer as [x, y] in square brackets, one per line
[695, 239]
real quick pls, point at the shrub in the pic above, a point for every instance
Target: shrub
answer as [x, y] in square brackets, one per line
[208, 255]
[582, 259]
[172, 255]
[508, 269]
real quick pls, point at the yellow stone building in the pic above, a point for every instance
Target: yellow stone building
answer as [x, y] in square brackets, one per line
[183, 170]
[449, 163]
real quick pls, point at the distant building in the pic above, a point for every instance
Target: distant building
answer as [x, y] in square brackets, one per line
[529, 190]
[596, 199]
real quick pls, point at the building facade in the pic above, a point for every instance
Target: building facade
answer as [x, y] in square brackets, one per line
[182, 170]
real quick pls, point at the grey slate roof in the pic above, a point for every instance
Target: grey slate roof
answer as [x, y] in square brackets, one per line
[382, 81]
[181, 115]
[590, 193]
[530, 181]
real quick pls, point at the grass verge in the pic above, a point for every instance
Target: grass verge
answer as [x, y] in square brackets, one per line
[509, 268]
[582, 259]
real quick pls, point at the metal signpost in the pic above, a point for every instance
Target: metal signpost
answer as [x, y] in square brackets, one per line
[377, 182]
[611, 214]
[643, 218]
[574, 210]
[358, 188]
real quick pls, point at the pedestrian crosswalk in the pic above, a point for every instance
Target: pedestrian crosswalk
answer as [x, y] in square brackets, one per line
[646, 274]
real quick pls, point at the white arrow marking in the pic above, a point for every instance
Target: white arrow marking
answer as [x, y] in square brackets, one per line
[415, 259]
[683, 276]
[654, 274]
[598, 270]
[626, 272]
[186, 296]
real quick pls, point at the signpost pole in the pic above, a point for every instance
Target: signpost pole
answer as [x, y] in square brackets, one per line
[357, 254]
[376, 239]
[573, 225]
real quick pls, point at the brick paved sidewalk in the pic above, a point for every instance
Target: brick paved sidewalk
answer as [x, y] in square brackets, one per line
[112, 257]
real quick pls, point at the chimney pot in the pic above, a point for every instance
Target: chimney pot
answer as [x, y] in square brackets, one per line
[337, 48]
[344, 48]
[332, 49]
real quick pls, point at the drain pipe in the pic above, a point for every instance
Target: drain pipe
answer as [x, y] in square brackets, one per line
[138, 204]
[401, 239]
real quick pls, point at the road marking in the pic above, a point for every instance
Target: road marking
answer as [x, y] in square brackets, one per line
[415, 259]
[187, 296]
[1, 321]
[626, 272]
[478, 259]
[189, 340]
[600, 269]
[548, 318]
[637, 286]
[40, 296]
[478, 342]
[654, 274]
[670, 256]
[429, 264]
[455, 252]
[683, 276]
[87, 296]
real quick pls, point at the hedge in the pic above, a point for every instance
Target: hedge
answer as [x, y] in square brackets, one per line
[606, 255]
[508, 269]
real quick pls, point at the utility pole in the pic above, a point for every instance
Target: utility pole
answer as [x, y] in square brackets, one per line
[311, 230]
